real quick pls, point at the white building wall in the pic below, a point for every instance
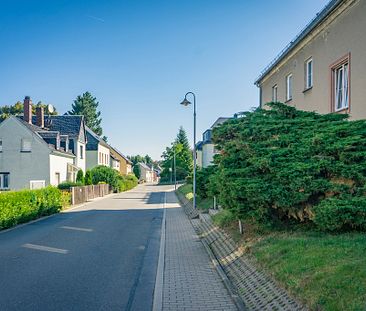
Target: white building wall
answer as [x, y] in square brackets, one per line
[58, 164]
[105, 155]
[22, 166]
[80, 160]
[208, 152]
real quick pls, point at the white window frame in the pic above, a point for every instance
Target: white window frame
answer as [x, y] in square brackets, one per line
[341, 86]
[309, 73]
[2, 175]
[275, 93]
[26, 145]
[289, 86]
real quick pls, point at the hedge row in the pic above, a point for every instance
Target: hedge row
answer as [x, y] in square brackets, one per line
[281, 163]
[21, 206]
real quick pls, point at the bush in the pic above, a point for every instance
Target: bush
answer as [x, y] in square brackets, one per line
[127, 182]
[105, 174]
[88, 178]
[68, 184]
[80, 177]
[21, 206]
[281, 163]
[203, 180]
[335, 214]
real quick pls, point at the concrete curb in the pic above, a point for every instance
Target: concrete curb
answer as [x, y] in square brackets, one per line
[159, 281]
[234, 296]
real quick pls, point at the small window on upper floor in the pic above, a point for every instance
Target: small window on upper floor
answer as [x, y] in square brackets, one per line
[81, 152]
[341, 86]
[1, 145]
[309, 74]
[26, 145]
[289, 83]
[275, 93]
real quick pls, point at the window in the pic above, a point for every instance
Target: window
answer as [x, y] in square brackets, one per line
[81, 152]
[1, 145]
[289, 87]
[4, 180]
[308, 73]
[274, 93]
[26, 145]
[341, 86]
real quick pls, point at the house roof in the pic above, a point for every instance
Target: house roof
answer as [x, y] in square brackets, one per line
[315, 22]
[144, 165]
[120, 154]
[94, 140]
[44, 135]
[65, 124]
[199, 145]
[220, 121]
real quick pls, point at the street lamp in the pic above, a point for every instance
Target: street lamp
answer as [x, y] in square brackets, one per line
[186, 103]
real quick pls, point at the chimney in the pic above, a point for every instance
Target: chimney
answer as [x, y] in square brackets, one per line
[27, 110]
[40, 117]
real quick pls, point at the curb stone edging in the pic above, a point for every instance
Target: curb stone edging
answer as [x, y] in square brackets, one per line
[256, 290]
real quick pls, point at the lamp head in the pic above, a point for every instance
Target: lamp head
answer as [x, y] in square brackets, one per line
[185, 102]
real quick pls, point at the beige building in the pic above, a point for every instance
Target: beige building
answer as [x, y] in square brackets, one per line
[324, 68]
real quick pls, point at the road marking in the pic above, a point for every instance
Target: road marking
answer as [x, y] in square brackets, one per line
[45, 248]
[76, 228]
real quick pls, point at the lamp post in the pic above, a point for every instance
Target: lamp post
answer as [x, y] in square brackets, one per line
[186, 102]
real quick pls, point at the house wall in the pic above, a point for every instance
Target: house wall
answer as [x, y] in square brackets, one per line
[199, 158]
[80, 161]
[97, 157]
[91, 159]
[22, 166]
[208, 152]
[342, 34]
[103, 155]
[58, 164]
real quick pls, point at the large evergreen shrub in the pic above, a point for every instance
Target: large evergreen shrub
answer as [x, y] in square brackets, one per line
[282, 163]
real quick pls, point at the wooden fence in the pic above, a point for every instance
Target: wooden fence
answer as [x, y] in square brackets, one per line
[85, 193]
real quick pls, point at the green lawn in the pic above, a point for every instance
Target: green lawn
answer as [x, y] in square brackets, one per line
[187, 191]
[327, 272]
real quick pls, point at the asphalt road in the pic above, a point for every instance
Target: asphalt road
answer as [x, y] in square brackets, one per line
[102, 256]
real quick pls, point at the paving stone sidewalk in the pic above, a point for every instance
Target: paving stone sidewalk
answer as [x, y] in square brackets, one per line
[191, 282]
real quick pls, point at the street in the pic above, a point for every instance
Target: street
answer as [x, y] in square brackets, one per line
[101, 256]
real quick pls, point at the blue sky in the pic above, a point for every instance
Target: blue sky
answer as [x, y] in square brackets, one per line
[139, 58]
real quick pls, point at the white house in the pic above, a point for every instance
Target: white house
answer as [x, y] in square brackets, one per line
[40, 151]
[205, 148]
[147, 173]
[97, 150]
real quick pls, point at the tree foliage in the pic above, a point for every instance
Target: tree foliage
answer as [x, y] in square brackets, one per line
[87, 105]
[80, 176]
[183, 157]
[282, 163]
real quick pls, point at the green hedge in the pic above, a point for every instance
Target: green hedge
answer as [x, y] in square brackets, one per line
[127, 182]
[21, 206]
[281, 163]
[68, 184]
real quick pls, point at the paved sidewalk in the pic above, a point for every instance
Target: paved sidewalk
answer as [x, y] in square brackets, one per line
[190, 280]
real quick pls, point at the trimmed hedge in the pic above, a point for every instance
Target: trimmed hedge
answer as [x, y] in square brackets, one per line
[68, 184]
[21, 206]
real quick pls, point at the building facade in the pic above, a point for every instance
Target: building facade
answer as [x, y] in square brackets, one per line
[97, 150]
[323, 69]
